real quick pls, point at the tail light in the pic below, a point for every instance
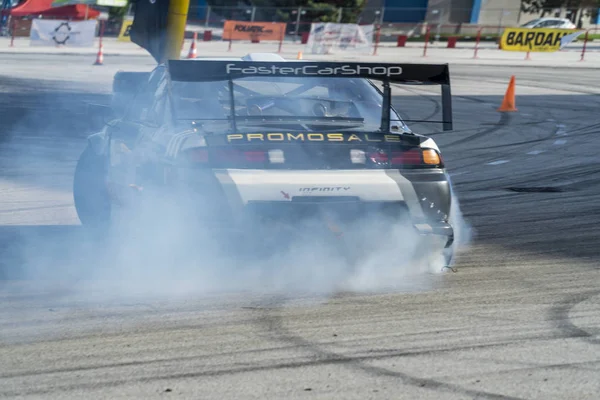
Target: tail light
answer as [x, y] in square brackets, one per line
[413, 158]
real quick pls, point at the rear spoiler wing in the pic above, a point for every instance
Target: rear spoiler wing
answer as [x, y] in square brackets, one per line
[388, 73]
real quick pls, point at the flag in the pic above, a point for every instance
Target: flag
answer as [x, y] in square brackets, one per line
[149, 28]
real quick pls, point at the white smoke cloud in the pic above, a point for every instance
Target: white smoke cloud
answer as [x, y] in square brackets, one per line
[163, 256]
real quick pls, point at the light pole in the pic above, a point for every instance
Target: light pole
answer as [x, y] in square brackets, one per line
[300, 12]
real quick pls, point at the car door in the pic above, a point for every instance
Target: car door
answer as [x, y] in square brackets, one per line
[127, 135]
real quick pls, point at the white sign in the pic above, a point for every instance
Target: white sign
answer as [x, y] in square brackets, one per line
[328, 38]
[54, 32]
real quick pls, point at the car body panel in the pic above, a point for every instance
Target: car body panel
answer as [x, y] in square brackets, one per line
[145, 145]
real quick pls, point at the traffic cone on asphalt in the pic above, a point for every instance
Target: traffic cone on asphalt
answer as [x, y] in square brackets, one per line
[100, 55]
[192, 53]
[508, 104]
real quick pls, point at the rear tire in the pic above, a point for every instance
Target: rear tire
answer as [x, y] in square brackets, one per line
[90, 194]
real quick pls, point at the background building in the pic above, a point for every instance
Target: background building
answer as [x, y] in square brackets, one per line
[481, 12]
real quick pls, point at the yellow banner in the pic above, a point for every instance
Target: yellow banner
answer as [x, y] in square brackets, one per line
[536, 40]
[124, 34]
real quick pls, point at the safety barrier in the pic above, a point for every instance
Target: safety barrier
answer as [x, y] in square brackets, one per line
[428, 37]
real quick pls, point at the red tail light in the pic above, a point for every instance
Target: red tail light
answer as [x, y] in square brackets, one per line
[407, 158]
[378, 157]
[256, 156]
[410, 157]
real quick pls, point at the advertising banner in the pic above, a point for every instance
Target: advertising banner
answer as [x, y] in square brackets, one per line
[537, 40]
[54, 32]
[328, 38]
[125, 34]
[243, 30]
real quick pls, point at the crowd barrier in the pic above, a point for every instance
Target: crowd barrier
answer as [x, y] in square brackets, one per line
[389, 35]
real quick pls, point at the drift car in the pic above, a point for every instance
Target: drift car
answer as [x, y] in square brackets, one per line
[263, 139]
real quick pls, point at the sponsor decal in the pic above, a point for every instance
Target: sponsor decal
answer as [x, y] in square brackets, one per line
[62, 33]
[316, 70]
[285, 195]
[324, 189]
[291, 137]
[242, 30]
[536, 40]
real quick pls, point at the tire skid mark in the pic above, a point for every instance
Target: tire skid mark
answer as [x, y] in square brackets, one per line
[273, 325]
[404, 116]
[559, 314]
[503, 121]
[321, 359]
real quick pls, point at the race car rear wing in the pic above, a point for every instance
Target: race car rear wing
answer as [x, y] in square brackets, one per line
[387, 73]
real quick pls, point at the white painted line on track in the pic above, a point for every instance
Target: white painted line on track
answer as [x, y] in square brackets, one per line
[560, 141]
[561, 130]
[536, 152]
[498, 162]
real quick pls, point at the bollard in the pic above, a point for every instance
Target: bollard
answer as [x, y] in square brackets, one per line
[304, 38]
[452, 42]
[401, 41]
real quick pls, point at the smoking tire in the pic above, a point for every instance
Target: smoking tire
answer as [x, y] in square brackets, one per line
[91, 198]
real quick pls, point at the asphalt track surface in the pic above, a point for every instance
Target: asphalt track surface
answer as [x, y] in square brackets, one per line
[519, 319]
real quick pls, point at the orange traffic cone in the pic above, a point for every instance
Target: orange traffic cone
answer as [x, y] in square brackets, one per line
[299, 55]
[508, 104]
[100, 55]
[192, 53]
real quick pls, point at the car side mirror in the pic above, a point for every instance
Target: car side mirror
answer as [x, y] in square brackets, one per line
[99, 115]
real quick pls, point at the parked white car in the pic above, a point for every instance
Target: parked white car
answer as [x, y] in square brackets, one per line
[557, 23]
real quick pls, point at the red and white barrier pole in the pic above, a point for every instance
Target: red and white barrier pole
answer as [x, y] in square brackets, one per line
[377, 40]
[477, 40]
[426, 41]
[281, 36]
[230, 39]
[193, 53]
[12, 36]
[100, 56]
[585, 40]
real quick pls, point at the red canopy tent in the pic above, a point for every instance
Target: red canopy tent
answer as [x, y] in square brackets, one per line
[45, 9]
